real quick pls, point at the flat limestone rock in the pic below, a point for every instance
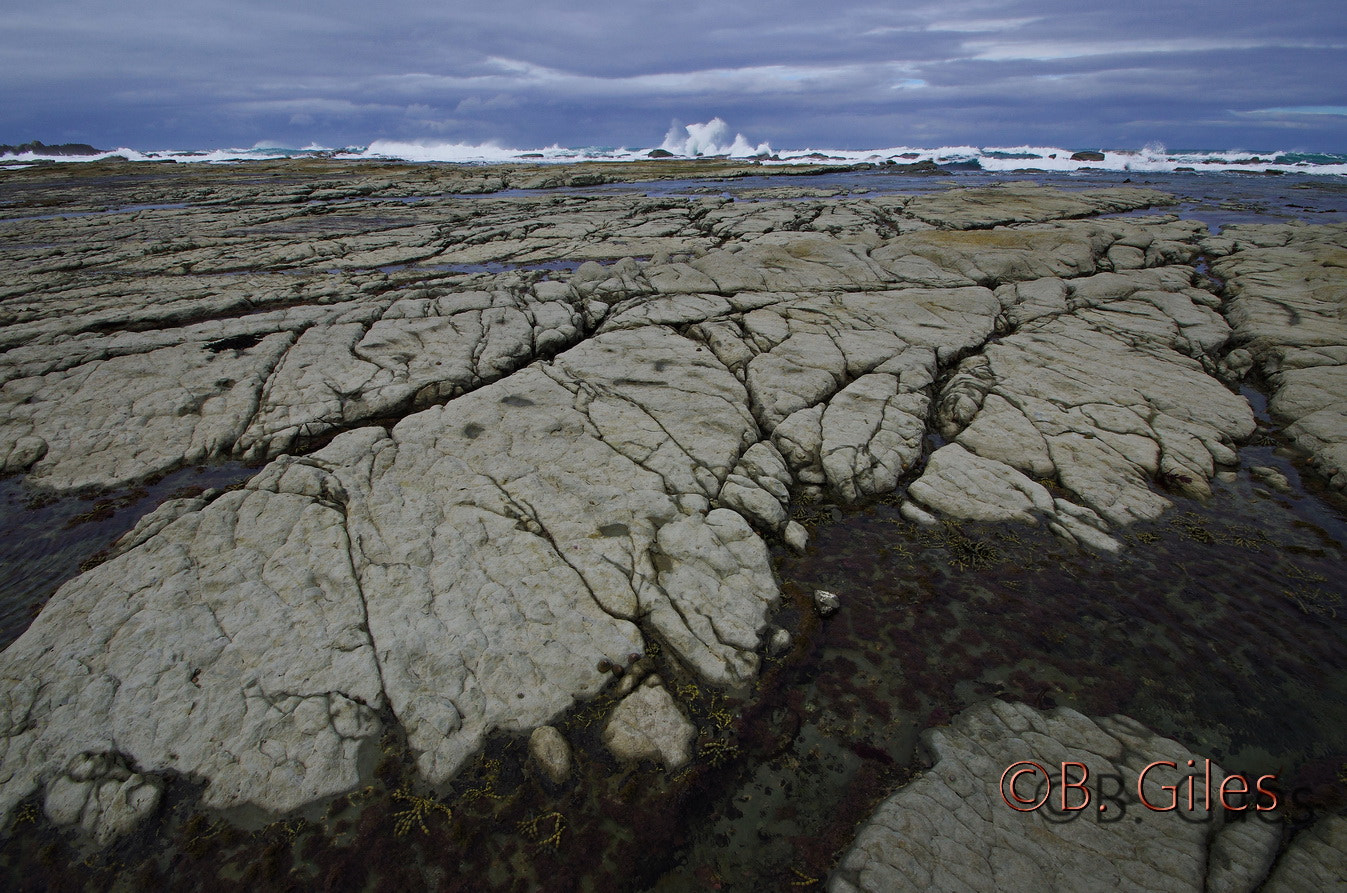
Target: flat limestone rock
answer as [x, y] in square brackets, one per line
[470, 568]
[242, 391]
[232, 646]
[1289, 311]
[962, 484]
[872, 433]
[1102, 398]
[529, 467]
[1314, 860]
[102, 796]
[1025, 203]
[950, 829]
[124, 418]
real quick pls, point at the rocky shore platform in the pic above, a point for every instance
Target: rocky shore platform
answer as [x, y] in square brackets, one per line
[668, 525]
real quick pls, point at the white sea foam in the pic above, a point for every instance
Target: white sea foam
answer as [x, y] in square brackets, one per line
[715, 138]
[711, 138]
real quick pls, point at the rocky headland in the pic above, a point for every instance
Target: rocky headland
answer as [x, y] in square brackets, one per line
[525, 442]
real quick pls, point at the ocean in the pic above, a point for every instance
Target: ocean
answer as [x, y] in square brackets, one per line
[1150, 159]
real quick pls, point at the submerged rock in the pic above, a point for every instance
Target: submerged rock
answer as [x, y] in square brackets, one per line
[551, 752]
[826, 604]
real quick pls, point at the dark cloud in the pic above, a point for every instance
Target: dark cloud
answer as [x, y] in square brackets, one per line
[154, 74]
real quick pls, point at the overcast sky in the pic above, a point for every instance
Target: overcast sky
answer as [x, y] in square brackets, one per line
[155, 74]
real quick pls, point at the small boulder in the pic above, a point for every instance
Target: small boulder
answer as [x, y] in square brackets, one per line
[826, 603]
[1237, 363]
[1272, 477]
[551, 752]
[647, 724]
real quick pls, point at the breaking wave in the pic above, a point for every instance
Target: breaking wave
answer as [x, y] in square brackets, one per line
[715, 138]
[711, 138]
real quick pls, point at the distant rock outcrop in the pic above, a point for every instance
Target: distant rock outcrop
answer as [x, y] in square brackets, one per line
[37, 147]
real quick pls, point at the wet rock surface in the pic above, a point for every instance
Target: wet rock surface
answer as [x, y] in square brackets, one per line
[518, 444]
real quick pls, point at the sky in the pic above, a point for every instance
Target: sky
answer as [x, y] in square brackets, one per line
[176, 74]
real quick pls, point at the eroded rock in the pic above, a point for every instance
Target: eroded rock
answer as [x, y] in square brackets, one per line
[536, 465]
[1104, 399]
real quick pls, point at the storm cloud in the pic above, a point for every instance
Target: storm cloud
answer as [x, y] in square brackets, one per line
[203, 73]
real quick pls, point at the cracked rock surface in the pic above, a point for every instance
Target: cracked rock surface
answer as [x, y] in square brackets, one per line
[949, 829]
[512, 440]
[1288, 304]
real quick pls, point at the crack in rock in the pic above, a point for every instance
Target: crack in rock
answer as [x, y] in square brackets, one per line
[524, 471]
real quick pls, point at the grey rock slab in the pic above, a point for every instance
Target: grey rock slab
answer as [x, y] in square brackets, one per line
[759, 487]
[811, 346]
[107, 411]
[950, 830]
[962, 484]
[417, 352]
[119, 420]
[470, 568]
[231, 646]
[102, 796]
[1003, 254]
[1099, 401]
[1025, 203]
[1314, 860]
[1286, 303]
[873, 431]
[529, 518]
